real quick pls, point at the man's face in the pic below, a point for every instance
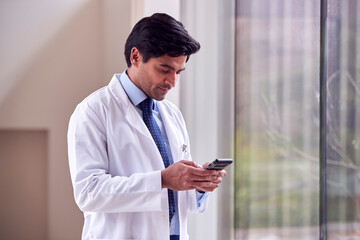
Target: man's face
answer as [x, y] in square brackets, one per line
[158, 75]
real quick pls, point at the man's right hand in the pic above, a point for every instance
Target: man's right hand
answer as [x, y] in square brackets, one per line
[187, 175]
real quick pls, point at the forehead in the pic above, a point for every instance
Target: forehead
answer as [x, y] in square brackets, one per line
[177, 63]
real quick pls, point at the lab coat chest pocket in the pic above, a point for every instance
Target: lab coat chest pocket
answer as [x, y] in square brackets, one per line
[178, 144]
[176, 133]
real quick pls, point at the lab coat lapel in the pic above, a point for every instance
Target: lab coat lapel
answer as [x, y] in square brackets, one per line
[131, 115]
[171, 131]
[135, 120]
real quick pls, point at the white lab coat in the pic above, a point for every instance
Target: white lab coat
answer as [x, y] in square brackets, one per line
[116, 168]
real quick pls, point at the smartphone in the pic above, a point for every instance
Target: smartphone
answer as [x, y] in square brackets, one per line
[219, 164]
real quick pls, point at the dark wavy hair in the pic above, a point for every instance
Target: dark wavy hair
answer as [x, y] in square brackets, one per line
[158, 35]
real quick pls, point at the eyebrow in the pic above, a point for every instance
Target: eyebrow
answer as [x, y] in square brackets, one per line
[170, 67]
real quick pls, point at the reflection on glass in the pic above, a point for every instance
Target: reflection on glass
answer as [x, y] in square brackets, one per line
[277, 119]
[343, 120]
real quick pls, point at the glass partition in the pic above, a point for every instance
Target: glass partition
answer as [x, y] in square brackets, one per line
[277, 119]
[343, 120]
[280, 155]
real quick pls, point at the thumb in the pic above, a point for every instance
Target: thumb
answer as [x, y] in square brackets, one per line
[205, 164]
[190, 163]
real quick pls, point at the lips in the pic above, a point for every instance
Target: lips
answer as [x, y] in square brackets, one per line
[164, 89]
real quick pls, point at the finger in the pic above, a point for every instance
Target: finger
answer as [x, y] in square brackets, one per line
[204, 172]
[196, 171]
[199, 166]
[203, 177]
[207, 186]
[191, 163]
[217, 180]
[187, 162]
[205, 164]
[222, 173]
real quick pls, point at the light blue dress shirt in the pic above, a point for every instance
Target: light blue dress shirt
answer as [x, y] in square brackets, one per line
[136, 96]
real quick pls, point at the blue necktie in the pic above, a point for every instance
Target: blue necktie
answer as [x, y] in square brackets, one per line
[146, 106]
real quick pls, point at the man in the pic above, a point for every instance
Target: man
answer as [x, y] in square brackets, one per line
[129, 150]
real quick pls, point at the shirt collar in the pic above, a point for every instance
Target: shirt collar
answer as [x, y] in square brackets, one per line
[135, 95]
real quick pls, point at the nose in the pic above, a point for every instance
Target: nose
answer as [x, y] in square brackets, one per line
[171, 79]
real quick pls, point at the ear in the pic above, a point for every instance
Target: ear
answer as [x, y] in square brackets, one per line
[135, 57]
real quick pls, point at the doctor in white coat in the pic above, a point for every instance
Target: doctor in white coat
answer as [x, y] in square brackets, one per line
[118, 174]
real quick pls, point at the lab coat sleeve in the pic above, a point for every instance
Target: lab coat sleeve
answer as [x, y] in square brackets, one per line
[95, 189]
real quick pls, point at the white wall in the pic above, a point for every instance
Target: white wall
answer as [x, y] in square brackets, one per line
[53, 54]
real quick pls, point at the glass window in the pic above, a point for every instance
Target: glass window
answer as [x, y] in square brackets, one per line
[343, 120]
[277, 119]
[277, 176]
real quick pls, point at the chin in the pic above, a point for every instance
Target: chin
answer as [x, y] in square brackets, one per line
[157, 95]
[159, 98]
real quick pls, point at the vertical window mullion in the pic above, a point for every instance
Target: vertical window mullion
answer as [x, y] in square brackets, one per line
[323, 112]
